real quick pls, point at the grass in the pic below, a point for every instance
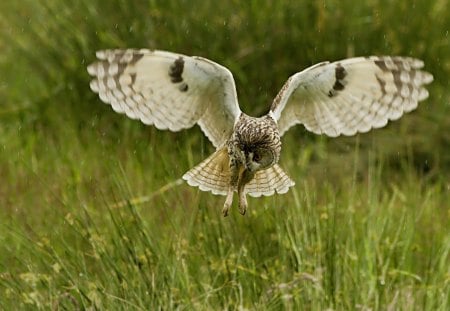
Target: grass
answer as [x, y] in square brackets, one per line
[366, 226]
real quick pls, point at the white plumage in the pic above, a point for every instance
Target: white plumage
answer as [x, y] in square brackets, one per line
[137, 83]
[173, 91]
[374, 91]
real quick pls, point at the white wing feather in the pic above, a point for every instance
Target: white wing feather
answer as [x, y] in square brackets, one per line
[168, 90]
[350, 96]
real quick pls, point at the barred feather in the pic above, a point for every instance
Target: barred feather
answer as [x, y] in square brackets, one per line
[168, 90]
[351, 96]
[213, 174]
[267, 182]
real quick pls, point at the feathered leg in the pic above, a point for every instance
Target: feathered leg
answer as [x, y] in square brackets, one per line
[228, 202]
[234, 178]
[246, 177]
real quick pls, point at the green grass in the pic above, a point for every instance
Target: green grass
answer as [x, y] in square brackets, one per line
[365, 227]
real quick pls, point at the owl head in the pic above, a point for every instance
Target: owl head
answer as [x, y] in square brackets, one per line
[259, 144]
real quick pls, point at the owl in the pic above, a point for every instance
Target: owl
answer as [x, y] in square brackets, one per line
[174, 92]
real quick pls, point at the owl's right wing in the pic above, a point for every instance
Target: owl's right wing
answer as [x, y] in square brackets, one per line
[168, 90]
[352, 95]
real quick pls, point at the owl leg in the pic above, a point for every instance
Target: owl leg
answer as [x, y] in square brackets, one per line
[234, 179]
[245, 178]
[242, 202]
[228, 202]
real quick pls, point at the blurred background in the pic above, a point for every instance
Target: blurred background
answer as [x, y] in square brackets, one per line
[65, 157]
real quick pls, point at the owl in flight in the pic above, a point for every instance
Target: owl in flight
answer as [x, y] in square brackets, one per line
[174, 92]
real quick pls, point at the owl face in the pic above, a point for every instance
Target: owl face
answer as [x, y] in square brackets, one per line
[257, 141]
[257, 157]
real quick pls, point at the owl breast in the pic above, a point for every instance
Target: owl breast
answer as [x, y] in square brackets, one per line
[255, 143]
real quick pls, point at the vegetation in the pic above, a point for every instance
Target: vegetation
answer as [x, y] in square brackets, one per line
[92, 212]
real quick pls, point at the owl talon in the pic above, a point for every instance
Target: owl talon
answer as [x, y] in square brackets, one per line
[225, 210]
[242, 210]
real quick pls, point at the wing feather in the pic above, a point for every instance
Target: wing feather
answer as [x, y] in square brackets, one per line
[168, 90]
[350, 96]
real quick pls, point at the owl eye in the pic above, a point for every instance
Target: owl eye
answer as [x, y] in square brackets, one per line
[257, 157]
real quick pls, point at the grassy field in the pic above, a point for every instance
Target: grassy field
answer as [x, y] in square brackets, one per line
[93, 214]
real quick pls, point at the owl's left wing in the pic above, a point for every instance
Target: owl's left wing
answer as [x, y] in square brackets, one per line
[168, 90]
[350, 96]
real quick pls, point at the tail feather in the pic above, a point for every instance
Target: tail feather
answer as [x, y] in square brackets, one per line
[213, 174]
[267, 182]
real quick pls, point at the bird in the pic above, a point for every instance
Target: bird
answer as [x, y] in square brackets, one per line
[172, 91]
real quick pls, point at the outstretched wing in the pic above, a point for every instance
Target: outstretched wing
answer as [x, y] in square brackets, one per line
[350, 96]
[170, 91]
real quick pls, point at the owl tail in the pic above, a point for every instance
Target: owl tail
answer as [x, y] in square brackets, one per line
[213, 174]
[268, 181]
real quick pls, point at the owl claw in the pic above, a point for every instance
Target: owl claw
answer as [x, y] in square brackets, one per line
[242, 210]
[225, 210]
